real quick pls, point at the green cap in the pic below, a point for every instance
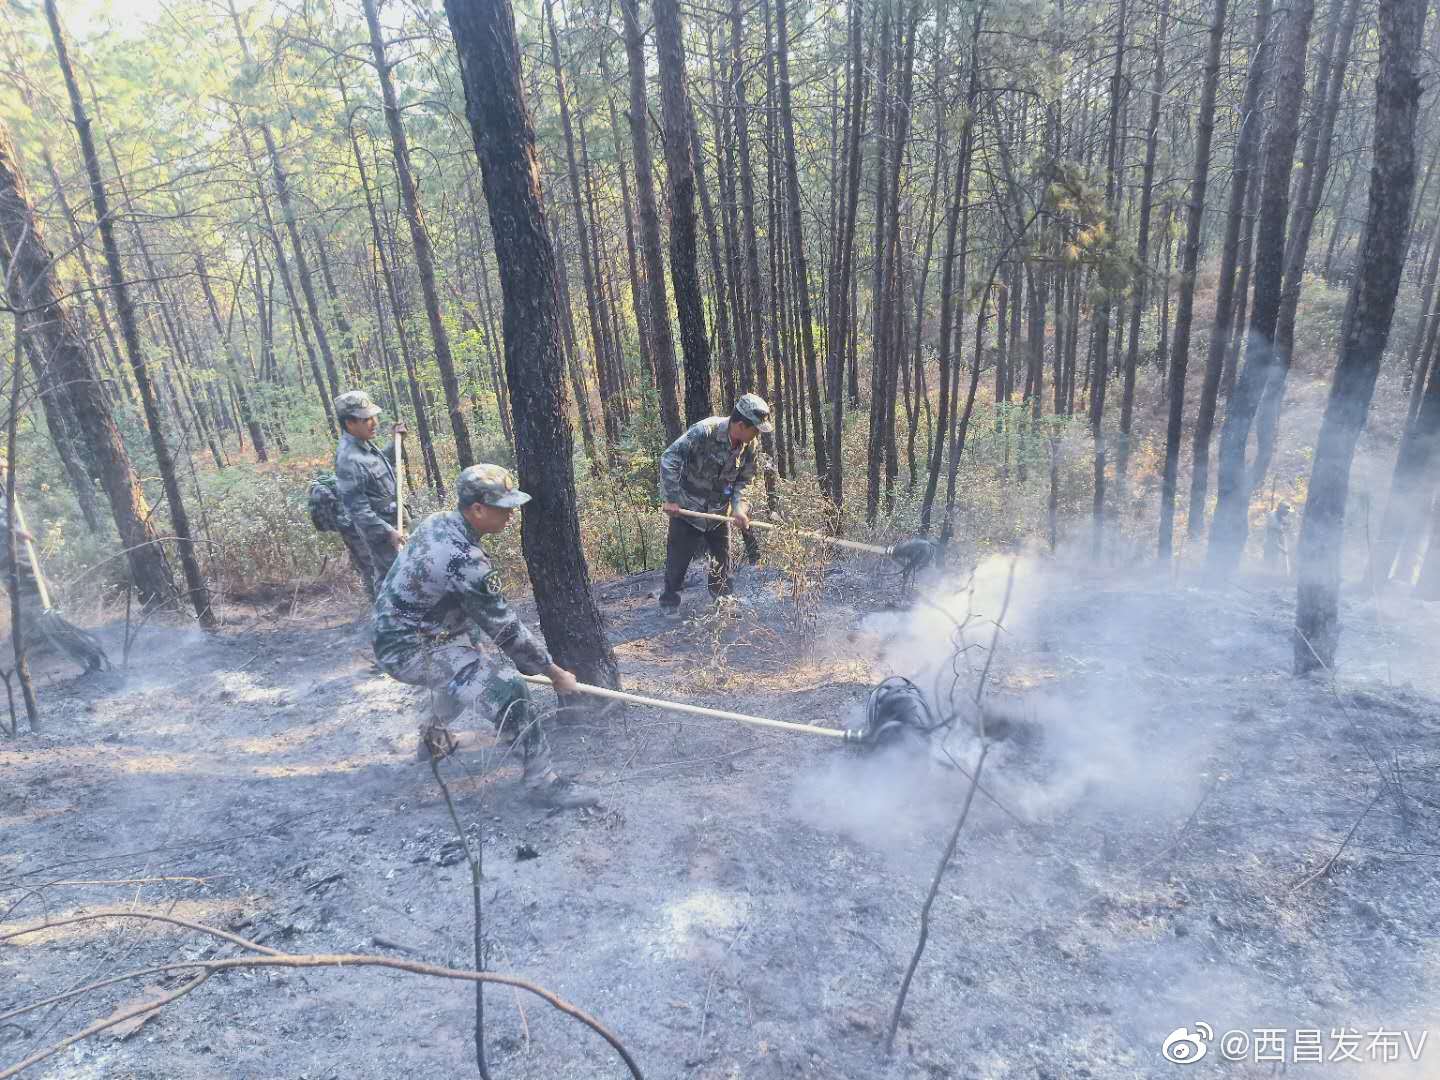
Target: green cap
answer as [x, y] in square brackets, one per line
[355, 405]
[753, 408]
[493, 485]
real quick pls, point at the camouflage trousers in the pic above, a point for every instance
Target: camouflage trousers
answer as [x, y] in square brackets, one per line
[463, 679]
[371, 561]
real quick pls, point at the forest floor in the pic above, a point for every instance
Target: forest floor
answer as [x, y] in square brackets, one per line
[743, 904]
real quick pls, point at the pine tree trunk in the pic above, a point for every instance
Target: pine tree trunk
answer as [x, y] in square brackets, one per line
[337, 310]
[823, 464]
[236, 369]
[1142, 253]
[1309, 186]
[1242, 184]
[28, 268]
[638, 296]
[754, 301]
[680, 178]
[952, 285]
[1100, 338]
[282, 261]
[287, 212]
[588, 266]
[1233, 482]
[199, 594]
[840, 331]
[662, 337]
[1363, 335]
[579, 388]
[729, 381]
[77, 242]
[417, 404]
[1185, 302]
[420, 239]
[489, 54]
[1236, 346]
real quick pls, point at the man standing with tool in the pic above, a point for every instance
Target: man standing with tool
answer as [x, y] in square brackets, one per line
[707, 470]
[365, 484]
[443, 586]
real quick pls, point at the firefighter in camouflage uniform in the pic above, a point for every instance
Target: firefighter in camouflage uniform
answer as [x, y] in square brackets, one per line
[365, 485]
[440, 598]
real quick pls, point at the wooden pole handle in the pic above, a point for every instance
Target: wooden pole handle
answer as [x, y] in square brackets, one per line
[699, 710]
[399, 481]
[833, 541]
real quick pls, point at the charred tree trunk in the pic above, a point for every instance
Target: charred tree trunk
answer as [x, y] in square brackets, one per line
[680, 176]
[1142, 253]
[1185, 302]
[1242, 184]
[1233, 484]
[952, 287]
[489, 56]
[823, 463]
[1100, 338]
[1363, 334]
[608, 404]
[1309, 186]
[839, 330]
[662, 337]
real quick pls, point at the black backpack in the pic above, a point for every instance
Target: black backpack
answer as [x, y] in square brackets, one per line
[326, 513]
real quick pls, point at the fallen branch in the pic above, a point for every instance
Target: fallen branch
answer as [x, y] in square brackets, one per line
[1330, 862]
[270, 959]
[142, 1008]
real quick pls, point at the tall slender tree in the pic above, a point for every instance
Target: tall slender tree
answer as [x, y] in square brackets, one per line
[1243, 186]
[199, 593]
[680, 177]
[1189, 264]
[663, 338]
[1363, 335]
[419, 239]
[1233, 480]
[29, 273]
[489, 55]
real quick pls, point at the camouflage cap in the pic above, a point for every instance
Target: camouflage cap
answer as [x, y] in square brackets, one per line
[493, 485]
[355, 405]
[753, 408]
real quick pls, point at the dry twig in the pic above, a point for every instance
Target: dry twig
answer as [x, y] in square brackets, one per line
[268, 958]
[954, 840]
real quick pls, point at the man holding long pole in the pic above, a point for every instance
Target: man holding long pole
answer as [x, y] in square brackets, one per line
[434, 614]
[707, 470]
[366, 483]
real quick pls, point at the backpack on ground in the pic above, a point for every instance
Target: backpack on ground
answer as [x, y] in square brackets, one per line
[326, 512]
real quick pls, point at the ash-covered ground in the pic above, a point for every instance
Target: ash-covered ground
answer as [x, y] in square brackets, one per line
[1174, 832]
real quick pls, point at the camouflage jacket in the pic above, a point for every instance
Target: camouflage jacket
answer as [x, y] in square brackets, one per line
[701, 472]
[365, 482]
[442, 585]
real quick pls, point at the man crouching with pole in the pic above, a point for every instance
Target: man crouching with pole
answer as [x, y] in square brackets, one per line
[443, 585]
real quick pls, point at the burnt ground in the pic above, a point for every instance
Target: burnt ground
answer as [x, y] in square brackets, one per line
[743, 904]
